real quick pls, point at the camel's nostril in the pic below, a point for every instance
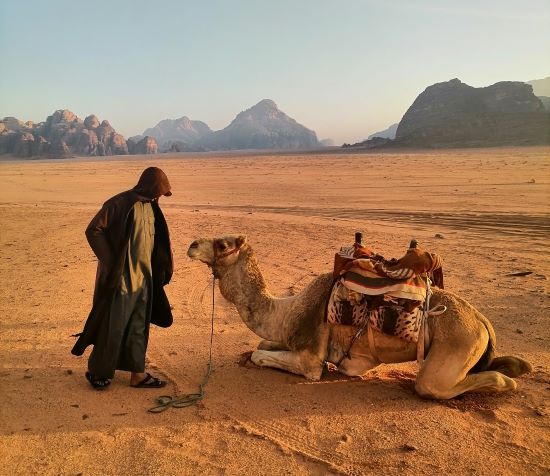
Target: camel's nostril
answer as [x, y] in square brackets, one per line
[195, 244]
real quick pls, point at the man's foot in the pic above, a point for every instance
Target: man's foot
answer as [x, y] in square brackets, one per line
[98, 383]
[149, 382]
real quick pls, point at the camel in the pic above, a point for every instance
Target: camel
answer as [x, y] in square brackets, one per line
[461, 355]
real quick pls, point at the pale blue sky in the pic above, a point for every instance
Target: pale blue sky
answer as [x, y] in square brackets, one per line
[342, 68]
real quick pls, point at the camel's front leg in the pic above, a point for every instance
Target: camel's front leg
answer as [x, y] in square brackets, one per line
[271, 345]
[301, 363]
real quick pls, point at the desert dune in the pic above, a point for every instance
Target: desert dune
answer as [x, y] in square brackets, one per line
[486, 211]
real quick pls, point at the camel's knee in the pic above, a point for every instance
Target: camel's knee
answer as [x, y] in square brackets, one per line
[306, 364]
[426, 389]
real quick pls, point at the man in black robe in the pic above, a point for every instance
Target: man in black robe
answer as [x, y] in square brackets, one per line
[130, 238]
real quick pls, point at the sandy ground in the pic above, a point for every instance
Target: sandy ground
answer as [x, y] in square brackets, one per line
[491, 207]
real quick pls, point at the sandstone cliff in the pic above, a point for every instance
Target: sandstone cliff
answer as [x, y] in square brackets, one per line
[453, 114]
[63, 134]
[146, 145]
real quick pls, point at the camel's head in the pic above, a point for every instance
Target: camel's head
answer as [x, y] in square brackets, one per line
[223, 251]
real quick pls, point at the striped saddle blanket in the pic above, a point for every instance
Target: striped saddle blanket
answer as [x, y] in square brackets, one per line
[388, 295]
[400, 317]
[363, 294]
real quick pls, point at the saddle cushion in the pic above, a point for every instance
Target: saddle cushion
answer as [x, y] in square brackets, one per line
[364, 278]
[348, 307]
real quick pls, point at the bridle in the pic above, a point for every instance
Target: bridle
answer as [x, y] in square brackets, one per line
[225, 254]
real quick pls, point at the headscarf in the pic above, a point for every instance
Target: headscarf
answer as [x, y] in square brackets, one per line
[153, 183]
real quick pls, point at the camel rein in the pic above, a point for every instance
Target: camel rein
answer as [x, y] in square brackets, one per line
[165, 401]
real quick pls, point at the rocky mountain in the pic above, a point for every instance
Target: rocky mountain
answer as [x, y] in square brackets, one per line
[388, 133]
[183, 132]
[145, 145]
[453, 114]
[263, 126]
[64, 134]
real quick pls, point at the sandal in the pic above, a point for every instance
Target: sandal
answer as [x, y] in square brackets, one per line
[150, 382]
[98, 383]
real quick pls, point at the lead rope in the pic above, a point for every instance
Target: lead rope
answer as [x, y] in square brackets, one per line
[165, 401]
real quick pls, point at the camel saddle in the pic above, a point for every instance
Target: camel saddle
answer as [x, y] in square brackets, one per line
[388, 295]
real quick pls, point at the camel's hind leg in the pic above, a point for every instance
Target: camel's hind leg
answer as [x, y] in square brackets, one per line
[302, 363]
[444, 373]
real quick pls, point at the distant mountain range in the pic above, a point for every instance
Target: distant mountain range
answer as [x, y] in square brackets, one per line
[63, 134]
[263, 126]
[448, 114]
[454, 114]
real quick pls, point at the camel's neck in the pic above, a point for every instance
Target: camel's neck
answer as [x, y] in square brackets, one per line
[243, 284]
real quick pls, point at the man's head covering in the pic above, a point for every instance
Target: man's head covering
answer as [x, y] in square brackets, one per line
[153, 183]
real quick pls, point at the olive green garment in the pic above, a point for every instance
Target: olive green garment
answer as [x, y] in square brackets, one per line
[125, 343]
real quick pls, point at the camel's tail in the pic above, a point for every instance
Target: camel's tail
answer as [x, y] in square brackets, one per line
[508, 365]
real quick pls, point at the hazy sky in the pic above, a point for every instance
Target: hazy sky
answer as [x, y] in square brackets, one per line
[343, 68]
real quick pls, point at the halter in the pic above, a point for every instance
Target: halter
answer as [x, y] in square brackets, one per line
[225, 254]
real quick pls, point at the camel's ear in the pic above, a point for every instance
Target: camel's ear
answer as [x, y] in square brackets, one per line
[241, 240]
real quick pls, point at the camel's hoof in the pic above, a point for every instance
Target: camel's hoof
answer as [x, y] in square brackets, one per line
[245, 359]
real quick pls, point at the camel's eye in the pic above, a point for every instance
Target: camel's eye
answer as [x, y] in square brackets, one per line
[222, 245]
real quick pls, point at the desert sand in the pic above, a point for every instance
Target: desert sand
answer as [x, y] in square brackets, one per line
[489, 209]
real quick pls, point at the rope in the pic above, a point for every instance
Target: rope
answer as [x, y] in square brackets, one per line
[165, 401]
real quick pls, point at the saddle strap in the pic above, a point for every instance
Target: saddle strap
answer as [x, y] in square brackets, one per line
[424, 340]
[372, 346]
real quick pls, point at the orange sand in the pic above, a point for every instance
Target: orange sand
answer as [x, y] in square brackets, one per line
[490, 205]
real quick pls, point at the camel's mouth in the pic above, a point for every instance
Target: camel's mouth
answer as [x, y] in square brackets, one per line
[199, 252]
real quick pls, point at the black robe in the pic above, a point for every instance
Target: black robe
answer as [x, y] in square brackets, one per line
[108, 235]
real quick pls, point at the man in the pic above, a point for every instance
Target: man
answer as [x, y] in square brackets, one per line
[130, 238]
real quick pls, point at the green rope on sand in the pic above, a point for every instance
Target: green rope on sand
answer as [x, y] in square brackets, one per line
[165, 401]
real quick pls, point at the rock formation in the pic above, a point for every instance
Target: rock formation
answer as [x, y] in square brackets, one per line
[63, 134]
[388, 133]
[147, 145]
[263, 126]
[373, 143]
[182, 130]
[453, 114]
